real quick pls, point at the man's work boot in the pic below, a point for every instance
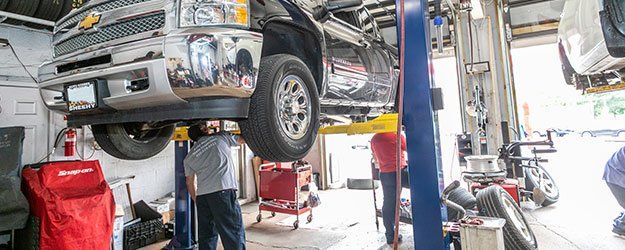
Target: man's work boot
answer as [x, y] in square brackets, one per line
[618, 227]
[390, 242]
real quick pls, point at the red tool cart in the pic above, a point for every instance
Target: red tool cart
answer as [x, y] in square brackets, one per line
[279, 189]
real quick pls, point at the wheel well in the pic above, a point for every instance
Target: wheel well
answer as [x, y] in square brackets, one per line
[286, 38]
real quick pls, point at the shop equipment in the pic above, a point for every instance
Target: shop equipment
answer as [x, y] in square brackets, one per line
[280, 190]
[71, 204]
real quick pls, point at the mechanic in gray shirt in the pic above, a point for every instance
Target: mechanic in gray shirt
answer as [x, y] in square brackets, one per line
[210, 162]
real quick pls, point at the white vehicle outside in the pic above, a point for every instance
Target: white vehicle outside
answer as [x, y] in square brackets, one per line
[588, 37]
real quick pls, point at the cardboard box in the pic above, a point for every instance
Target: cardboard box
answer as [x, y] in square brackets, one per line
[168, 216]
[167, 200]
[159, 207]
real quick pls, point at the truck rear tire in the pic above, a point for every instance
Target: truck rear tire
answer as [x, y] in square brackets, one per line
[126, 141]
[284, 110]
[494, 201]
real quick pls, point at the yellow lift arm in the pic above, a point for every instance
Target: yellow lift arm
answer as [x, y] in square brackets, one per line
[382, 124]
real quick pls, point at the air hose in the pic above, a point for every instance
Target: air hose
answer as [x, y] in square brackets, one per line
[400, 113]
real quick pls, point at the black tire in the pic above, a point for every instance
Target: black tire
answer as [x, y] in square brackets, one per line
[463, 198]
[550, 189]
[570, 76]
[3, 4]
[116, 140]
[259, 218]
[67, 7]
[47, 10]
[26, 8]
[296, 224]
[492, 202]
[264, 130]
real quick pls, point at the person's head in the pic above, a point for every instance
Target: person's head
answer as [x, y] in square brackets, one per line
[196, 131]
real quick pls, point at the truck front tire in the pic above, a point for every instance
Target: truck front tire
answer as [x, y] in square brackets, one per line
[128, 141]
[284, 110]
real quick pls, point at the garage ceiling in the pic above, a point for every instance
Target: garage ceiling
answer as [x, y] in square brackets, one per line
[528, 18]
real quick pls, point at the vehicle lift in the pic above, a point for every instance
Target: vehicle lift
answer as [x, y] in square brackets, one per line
[420, 121]
[184, 223]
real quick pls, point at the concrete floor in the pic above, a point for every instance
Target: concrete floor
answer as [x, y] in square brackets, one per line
[580, 220]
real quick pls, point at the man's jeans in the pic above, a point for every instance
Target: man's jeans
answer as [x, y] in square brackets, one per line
[220, 212]
[388, 207]
[618, 192]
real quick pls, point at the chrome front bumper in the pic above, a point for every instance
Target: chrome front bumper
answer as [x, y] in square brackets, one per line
[179, 67]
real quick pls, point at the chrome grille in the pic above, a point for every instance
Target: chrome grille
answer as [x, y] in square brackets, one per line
[73, 19]
[111, 32]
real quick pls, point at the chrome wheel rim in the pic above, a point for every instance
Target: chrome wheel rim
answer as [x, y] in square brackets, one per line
[516, 218]
[545, 183]
[293, 106]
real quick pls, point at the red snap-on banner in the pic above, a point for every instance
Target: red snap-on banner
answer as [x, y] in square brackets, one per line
[73, 202]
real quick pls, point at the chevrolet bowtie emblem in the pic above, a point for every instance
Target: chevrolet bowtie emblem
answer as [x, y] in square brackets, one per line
[88, 22]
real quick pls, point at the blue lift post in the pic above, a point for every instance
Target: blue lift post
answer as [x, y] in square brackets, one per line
[183, 226]
[421, 129]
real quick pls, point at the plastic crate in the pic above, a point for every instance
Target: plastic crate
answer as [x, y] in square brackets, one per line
[142, 234]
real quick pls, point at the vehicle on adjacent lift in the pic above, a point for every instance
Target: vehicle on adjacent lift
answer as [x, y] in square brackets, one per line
[132, 69]
[591, 40]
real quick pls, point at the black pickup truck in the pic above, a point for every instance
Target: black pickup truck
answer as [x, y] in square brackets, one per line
[132, 69]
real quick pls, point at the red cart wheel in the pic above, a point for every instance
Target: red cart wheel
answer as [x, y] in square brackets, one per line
[296, 224]
[259, 218]
[309, 218]
[273, 214]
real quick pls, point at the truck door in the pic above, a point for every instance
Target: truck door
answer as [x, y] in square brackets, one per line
[350, 82]
[378, 60]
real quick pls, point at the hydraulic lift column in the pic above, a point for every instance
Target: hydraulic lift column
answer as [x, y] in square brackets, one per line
[184, 231]
[421, 129]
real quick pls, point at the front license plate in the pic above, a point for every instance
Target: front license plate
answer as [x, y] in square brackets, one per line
[81, 96]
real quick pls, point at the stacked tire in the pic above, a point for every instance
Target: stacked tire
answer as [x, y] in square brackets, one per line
[494, 201]
[50, 10]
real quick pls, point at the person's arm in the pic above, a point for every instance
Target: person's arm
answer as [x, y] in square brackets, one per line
[375, 156]
[189, 173]
[239, 139]
[233, 140]
[191, 186]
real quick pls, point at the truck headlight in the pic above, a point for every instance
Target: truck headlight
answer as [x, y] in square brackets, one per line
[214, 12]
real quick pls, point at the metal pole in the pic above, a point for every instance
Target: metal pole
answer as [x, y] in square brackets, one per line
[183, 232]
[421, 131]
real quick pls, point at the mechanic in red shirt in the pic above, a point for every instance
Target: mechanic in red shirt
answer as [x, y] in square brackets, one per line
[384, 147]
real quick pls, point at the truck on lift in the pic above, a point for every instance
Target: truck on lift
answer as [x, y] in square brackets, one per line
[132, 69]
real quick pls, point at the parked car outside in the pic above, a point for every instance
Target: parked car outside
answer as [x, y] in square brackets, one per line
[603, 133]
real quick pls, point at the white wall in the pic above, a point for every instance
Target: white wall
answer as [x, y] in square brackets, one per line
[154, 177]
[21, 105]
